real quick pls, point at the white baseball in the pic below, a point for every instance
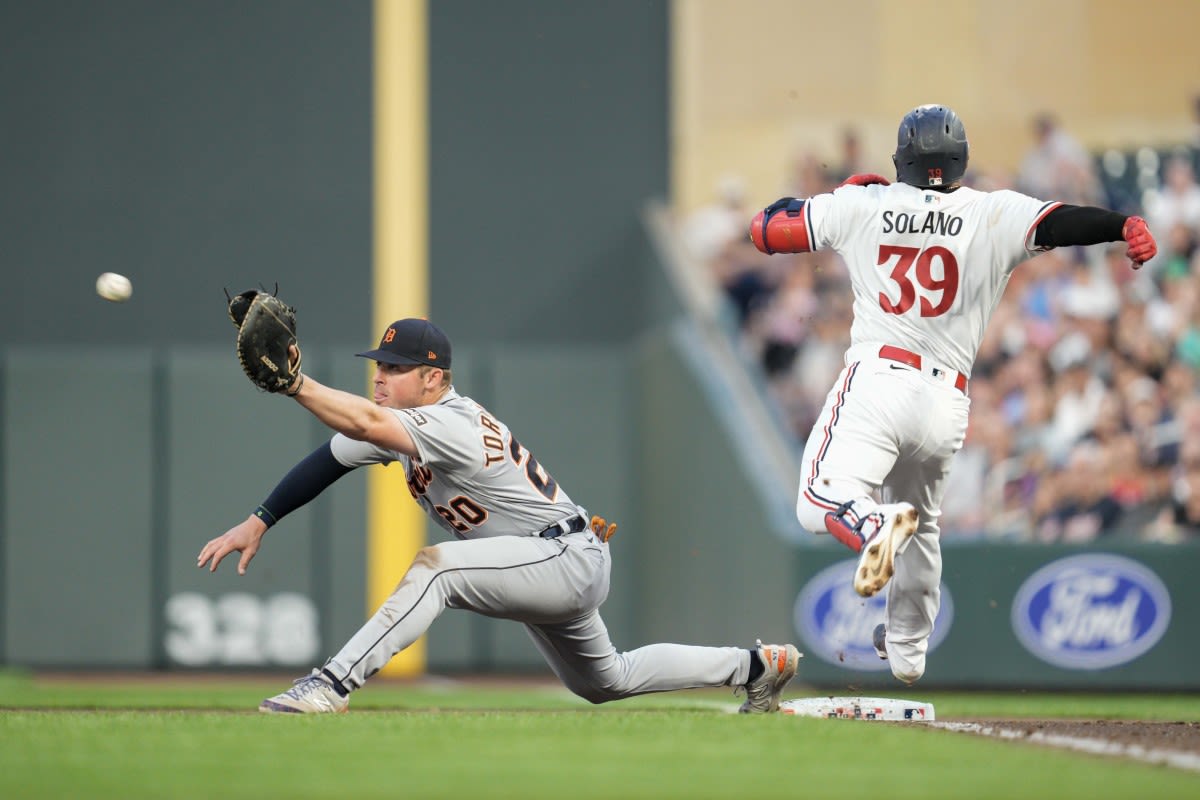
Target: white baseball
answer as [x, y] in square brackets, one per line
[113, 286]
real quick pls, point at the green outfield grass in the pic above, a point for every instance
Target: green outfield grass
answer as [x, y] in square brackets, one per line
[202, 739]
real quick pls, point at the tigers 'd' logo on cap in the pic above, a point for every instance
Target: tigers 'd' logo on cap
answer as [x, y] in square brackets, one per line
[412, 341]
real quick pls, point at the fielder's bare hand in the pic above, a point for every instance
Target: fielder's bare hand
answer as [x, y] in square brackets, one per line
[244, 538]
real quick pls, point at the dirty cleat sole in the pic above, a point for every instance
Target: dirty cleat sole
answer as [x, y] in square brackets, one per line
[877, 563]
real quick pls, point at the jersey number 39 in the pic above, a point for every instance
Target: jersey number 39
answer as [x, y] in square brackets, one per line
[944, 288]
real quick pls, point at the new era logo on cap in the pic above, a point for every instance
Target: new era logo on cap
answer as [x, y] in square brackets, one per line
[412, 341]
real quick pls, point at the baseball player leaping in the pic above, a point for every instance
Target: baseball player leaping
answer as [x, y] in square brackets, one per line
[928, 260]
[526, 551]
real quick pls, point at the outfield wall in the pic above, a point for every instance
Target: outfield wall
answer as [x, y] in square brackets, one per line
[1114, 615]
[204, 144]
[101, 531]
[105, 505]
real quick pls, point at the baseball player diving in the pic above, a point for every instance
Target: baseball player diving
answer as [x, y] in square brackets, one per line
[928, 259]
[522, 550]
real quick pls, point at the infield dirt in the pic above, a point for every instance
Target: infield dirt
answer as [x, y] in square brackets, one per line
[1181, 737]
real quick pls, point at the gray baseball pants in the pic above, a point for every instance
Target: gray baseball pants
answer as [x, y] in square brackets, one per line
[553, 586]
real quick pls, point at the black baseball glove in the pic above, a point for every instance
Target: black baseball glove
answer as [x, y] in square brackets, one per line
[266, 333]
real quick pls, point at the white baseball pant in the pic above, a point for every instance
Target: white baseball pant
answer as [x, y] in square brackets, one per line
[892, 429]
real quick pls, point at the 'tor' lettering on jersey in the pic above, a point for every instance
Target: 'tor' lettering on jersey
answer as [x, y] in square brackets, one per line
[493, 443]
[937, 222]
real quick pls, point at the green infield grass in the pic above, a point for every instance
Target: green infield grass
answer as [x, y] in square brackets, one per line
[180, 738]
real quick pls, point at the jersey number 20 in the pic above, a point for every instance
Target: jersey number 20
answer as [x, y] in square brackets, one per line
[906, 257]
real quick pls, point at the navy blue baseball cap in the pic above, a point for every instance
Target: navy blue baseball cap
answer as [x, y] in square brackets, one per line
[412, 341]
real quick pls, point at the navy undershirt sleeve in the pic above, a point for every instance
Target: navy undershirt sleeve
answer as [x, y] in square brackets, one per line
[1079, 225]
[306, 480]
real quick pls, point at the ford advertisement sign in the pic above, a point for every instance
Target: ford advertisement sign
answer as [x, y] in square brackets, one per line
[1091, 611]
[836, 624]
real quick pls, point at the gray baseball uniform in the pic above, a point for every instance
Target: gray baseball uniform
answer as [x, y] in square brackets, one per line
[525, 553]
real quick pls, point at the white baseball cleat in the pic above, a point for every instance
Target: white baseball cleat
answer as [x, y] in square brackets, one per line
[312, 694]
[876, 564]
[779, 666]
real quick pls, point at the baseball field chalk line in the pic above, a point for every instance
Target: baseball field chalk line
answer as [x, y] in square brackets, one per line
[1171, 758]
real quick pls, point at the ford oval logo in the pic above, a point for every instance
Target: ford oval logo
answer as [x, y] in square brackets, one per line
[1091, 611]
[836, 624]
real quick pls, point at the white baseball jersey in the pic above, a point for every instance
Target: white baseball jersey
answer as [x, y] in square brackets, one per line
[470, 474]
[927, 267]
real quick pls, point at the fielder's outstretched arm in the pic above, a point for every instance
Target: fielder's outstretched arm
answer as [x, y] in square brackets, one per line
[354, 416]
[350, 415]
[317, 472]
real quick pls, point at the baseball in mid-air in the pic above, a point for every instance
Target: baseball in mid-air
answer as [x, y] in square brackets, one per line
[114, 287]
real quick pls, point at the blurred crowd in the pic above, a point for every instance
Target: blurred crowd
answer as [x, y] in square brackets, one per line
[1085, 404]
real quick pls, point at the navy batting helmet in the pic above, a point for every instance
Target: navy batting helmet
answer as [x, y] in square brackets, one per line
[931, 147]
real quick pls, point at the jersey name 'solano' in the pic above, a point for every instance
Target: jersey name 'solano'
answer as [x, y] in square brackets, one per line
[938, 222]
[470, 474]
[927, 268]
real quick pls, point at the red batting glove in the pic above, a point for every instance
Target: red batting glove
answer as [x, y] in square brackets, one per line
[865, 179]
[1141, 243]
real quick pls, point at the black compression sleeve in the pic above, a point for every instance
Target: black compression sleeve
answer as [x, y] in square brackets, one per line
[306, 480]
[1070, 225]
